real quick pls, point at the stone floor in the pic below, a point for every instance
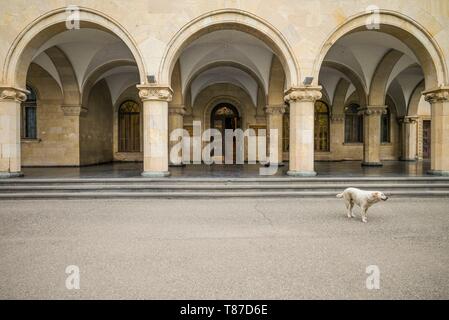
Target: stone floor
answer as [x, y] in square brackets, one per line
[130, 170]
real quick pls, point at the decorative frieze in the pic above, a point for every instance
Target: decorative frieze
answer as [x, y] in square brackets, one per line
[11, 93]
[155, 93]
[437, 95]
[304, 94]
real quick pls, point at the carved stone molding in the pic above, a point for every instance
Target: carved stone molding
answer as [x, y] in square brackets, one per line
[409, 120]
[306, 93]
[440, 94]
[11, 93]
[176, 110]
[74, 110]
[155, 93]
[338, 117]
[275, 110]
[373, 110]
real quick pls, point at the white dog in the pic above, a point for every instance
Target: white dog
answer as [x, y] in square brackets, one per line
[364, 199]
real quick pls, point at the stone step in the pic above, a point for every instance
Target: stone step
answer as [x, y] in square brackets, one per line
[215, 187]
[191, 194]
[221, 180]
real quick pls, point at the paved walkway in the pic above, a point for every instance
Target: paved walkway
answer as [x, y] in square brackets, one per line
[260, 249]
[130, 170]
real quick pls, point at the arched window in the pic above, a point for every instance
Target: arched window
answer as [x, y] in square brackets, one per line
[321, 126]
[29, 115]
[385, 126]
[353, 124]
[129, 127]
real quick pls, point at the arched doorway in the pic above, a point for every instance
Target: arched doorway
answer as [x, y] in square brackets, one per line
[225, 116]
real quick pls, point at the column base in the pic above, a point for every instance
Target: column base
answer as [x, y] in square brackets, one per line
[408, 160]
[6, 175]
[439, 173]
[176, 165]
[372, 164]
[155, 174]
[281, 164]
[301, 173]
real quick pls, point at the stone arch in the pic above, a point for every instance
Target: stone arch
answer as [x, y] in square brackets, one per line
[412, 108]
[221, 99]
[70, 88]
[358, 83]
[415, 36]
[43, 84]
[27, 43]
[177, 86]
[325, 97]
[338, 104]
[276, 83]
[231, 19]
[92, 78]
[233, 64]
[378, 87]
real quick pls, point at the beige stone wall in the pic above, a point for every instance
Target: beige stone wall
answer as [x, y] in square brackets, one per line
[305, 24]
[96, 142]
[57, 141]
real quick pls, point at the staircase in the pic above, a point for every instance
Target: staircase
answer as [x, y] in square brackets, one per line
[173, 187]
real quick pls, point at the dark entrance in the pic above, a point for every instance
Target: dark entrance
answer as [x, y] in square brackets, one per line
[426, 134]
[225, 116]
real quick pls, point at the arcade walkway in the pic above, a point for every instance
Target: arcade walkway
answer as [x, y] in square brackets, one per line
[325, 169]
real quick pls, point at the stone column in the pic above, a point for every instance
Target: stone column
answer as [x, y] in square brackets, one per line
[302, 114]
[371, 134]
[439, 156]
[409, 138]
[175, 121]
[274, 116]
[10, 159]
[155, 100]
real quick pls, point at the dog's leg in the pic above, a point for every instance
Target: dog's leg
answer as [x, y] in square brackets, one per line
[349, 206]
[352, 209]
[364, 214]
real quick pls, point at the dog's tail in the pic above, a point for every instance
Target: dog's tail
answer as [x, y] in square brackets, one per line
[340, 195]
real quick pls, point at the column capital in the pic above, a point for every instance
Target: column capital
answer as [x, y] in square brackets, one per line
[305, 93]
[74, 110]
[275, 109]
[13, 93]
[440, 94]
[155, 92]
[372, 110]
[409, 119]
[176, 110]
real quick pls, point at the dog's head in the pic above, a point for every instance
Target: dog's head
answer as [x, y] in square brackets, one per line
[379, 196]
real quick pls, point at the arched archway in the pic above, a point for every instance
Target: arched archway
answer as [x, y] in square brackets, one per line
[42, 37]
[230, 19]
[403, 28]
[401, 42]
[42, 29]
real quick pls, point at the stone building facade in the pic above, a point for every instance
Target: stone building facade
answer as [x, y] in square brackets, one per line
[102, 81]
